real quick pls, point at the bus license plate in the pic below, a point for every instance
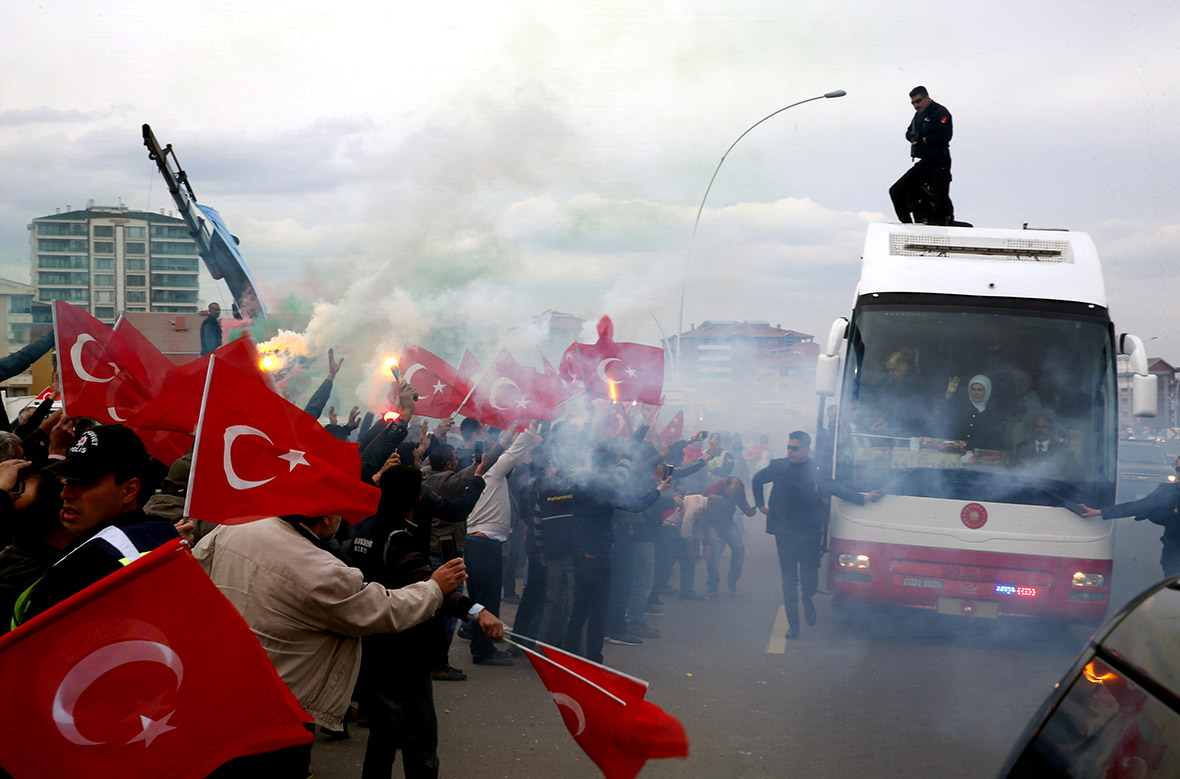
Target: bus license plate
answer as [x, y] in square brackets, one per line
[915, 581]
[964, 607]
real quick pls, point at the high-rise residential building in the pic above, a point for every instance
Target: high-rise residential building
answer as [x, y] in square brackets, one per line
[108, 259]
[16, 323]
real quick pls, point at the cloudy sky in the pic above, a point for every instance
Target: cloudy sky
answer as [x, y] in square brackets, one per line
[488, 161]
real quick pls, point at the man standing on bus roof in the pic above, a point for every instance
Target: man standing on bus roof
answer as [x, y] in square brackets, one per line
[795, 517]
[1161, 507]
[925, 189]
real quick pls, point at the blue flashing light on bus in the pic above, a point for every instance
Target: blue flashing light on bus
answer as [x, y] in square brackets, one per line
[1009, 589]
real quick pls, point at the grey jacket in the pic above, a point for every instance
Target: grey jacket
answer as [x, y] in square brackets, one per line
[307, 608]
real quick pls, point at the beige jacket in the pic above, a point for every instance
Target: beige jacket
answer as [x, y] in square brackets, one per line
[307, 608]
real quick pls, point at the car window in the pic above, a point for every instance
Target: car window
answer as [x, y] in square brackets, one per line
[1105, 726]
[1148, 639]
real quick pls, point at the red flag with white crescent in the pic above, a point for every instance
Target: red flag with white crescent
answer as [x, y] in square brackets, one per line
[590, 714]
[508, 391]
[606, 714]
[619, 371]
[96, 375]
[177, 405]
[119, 681]
[469, 367]
[258, 455]
[439, 386]
[674, 430]
[107, 375]
[150, 365]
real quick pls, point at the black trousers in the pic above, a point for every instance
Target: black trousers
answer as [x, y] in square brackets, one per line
[532, 600]
[591, 593]
[622, 558]
[485, 561]
[925, 192]
[798, 561]
[1170, 561]
[401, 717]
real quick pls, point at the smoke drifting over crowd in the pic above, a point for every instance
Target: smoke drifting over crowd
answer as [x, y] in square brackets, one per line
[467, 256]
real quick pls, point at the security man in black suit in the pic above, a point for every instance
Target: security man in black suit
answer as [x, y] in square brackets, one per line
[1161, 507]
[795, 516]
[924, 189]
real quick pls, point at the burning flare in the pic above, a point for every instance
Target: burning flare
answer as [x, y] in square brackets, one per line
[389, 416]
[1092, 674]
[614, 393]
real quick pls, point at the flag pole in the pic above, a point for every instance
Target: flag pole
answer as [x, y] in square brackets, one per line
[567, 400]
[483, 372]
[188, 493]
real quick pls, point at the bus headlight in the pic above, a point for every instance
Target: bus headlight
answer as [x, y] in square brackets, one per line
[860, 561]
[1082, 579]
[1171, 477]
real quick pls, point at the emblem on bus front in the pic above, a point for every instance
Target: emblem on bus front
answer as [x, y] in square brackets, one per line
[974, 516]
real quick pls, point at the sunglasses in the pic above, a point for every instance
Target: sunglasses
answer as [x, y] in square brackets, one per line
[915, 101]
[797, 448]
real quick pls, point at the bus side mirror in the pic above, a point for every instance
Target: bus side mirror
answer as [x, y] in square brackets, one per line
[827, 368]
[827, 373]
[1144, 396]
[1144, 390]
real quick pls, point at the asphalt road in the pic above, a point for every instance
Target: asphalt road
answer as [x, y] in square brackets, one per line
[909, 695]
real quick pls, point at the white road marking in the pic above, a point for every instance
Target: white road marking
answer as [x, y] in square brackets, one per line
[777, 645]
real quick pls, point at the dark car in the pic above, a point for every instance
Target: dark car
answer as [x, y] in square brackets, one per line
[1117, 712]
[1143, 466]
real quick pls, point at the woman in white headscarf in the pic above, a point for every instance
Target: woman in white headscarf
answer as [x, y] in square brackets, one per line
[971, 419]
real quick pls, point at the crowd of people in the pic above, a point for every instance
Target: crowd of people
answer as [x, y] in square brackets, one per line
[580, 524]
[359, 620]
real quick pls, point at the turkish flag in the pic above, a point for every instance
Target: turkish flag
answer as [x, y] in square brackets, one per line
[107, 374]
[96, 370]
[177, 405]
[469, 367]
[133, 677]
[258, 455]
[674, 430]
[508, 391]
[568, 391]
[440, 387]
[606, 714]
[621, 685]
[617, 425]
[636, 371]
[148, 364]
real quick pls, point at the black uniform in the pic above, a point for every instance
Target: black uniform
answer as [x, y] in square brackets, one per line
[395, 684]
[795, 517]
[924, 189]
[1161, 507]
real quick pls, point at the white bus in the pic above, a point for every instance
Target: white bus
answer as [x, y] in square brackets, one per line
[979, 393]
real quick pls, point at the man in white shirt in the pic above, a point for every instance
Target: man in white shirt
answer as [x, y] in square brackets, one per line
[488, 527]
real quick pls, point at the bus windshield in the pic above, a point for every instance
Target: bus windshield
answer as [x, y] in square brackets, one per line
[975, 403]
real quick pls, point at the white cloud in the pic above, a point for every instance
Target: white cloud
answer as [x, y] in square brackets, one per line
[554, 155]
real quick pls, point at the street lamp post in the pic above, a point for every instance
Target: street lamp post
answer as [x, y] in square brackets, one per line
[701, 208]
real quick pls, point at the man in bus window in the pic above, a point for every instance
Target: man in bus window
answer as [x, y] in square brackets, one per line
[1161, 507]
[796, 516]
[1044, 446]
[899, 399]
